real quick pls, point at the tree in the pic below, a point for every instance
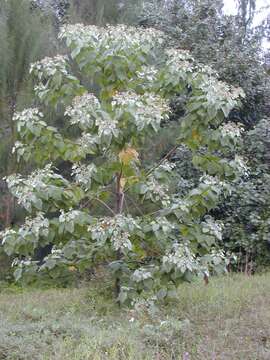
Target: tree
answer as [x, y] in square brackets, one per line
[232, 46]
[26, 35]
[95, 215]
[246, 214]
[93, 12]
[234, 50]
[246, 10]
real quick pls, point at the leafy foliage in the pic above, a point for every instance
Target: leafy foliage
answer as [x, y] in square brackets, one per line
[124, 104]
[26, 34]
[246, 214]
[230, 44]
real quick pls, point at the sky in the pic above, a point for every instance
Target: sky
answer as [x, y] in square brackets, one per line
[261, 13]
[230, 8]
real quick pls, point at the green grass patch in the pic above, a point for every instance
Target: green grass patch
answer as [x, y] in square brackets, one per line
[228, 319]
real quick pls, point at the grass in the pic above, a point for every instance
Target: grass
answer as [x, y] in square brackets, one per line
[226, 320]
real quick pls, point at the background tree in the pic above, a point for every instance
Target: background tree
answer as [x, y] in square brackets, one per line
[246, 10]
[233, 46]
[217, 39]
[99, 12]
[26, 34]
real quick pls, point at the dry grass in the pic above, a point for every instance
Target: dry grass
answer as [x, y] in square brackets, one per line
[227, 320]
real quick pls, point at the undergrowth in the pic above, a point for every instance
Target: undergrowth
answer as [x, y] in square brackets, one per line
[228, 319]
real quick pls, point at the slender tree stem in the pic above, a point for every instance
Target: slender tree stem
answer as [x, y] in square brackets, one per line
[119, 208]
[162, 160]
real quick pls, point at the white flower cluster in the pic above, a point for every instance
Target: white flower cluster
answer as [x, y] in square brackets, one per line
[84, 110]
[69, 216]
[215, 182]
[207, 70]
[215, 90]
[180, 258]
[31, 114]
[114, 37]
[22, 262]
[87, 113]
[25, 189]
[19, 148]
[50, 261]
[79, 33]
[156, 191]
[162, 224]
[220, 95]
[33, 227]
[38, 225]
[231, 130]
[107, 127]
[240, 166]
[121, 240]
[84, 174]
[148, 73]
[55, 254]
[179, 54]
[48, 66]
[55, 82]
[147, 109]
[117, 229]
[237, 92]
[211, 227]
[30, 119]
[167, 166]
[141, 274]
[5, 234]
[219, 186]
[135, 35]
[180, 62]
[88, 143]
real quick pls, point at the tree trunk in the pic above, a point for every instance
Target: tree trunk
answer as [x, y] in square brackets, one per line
[119, 208]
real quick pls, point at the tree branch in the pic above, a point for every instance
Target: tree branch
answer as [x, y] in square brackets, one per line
[149, 172]
[163, 159]
[134, 203]
[105, 205]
